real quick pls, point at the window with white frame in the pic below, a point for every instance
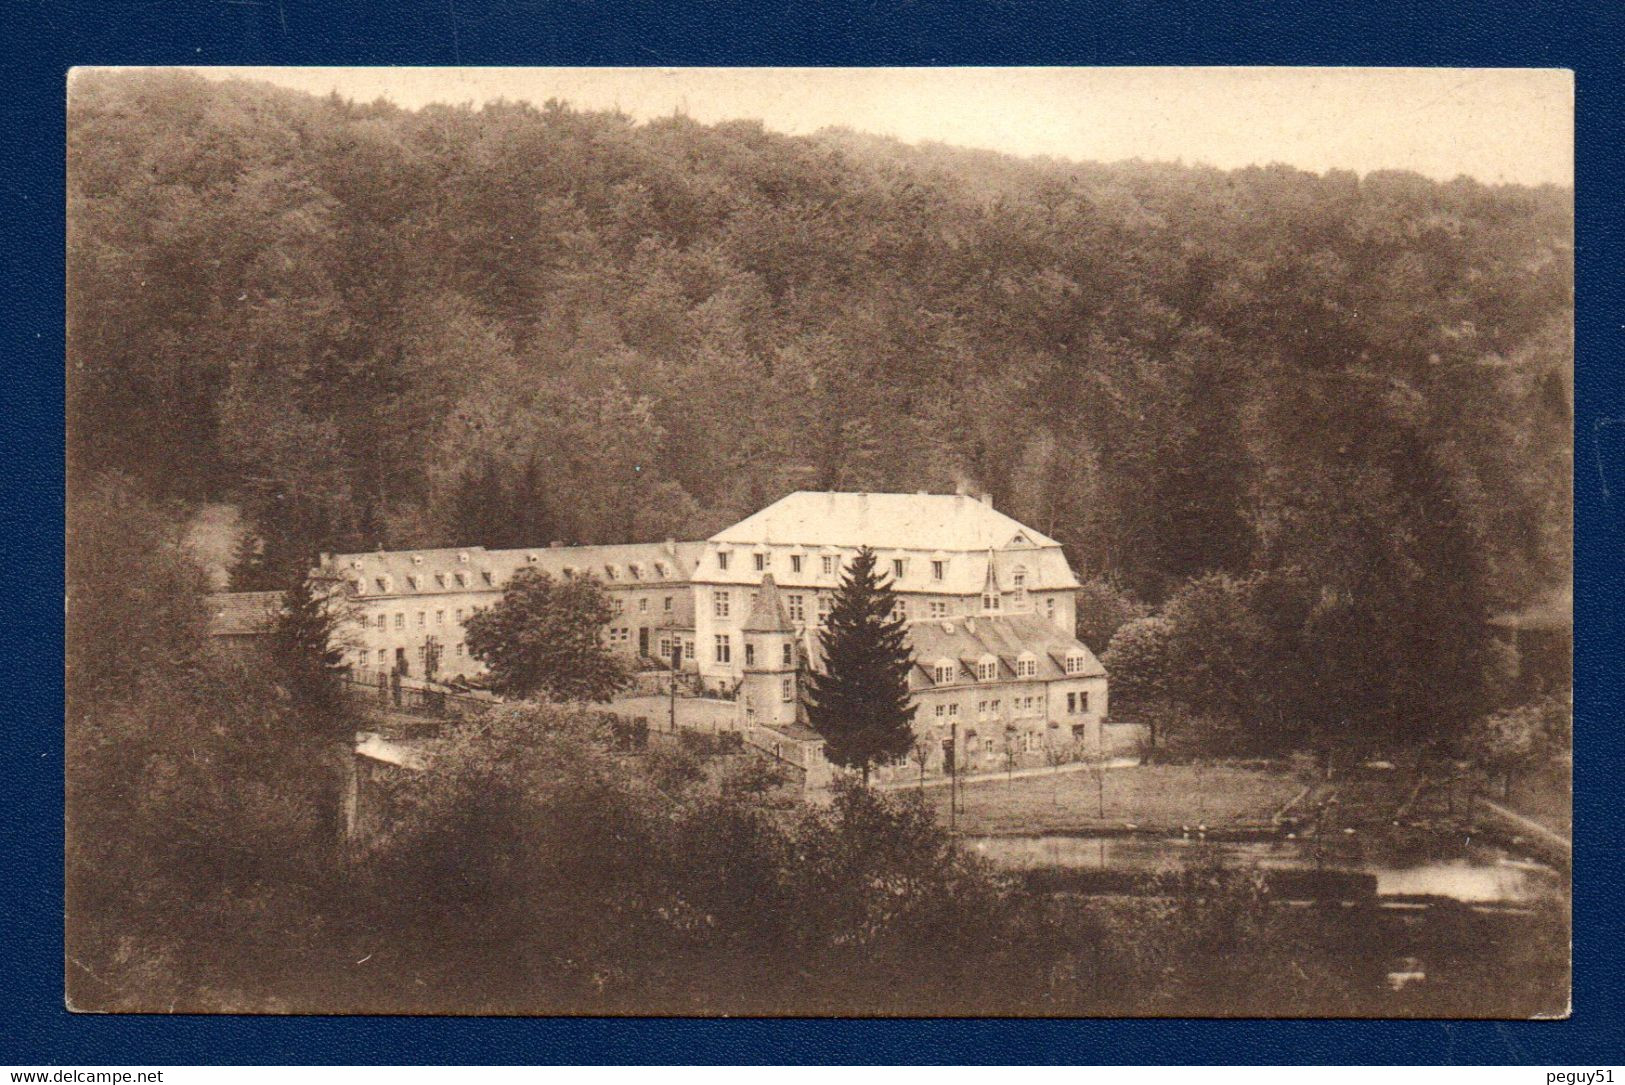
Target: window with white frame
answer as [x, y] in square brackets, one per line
[953, 710]
[787, 689]
[794, 604]
[899, 567]
[1027, 666]
[665, 604]
[724, 648]
[618, 605]
[987, 670]
[382, 656]
[942, 710]
[939, 569]
[422, 619]
[400, 620]
[937, 608]
[381, 619]
[1018, 584]
[643, 606]
[1074, 663]
[750, 654]
[826, 603]
[943, 673]
[720, 604]
[899, 609]
[722, 560]
[762, 561]
[439, 617]
[990, 600]
[828, 564]
[795, 563]
[788, 655]
[459, 613]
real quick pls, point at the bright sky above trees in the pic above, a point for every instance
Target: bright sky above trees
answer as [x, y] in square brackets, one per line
[1494, 125]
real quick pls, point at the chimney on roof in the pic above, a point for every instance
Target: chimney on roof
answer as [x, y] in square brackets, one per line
[987, 499]
[671, 546]
[325, 559]
[556, 544]
[959, 488]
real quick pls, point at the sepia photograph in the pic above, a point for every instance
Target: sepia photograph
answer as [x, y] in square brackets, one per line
[819, 542]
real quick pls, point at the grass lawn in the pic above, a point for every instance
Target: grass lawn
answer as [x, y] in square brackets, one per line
[1150, 796]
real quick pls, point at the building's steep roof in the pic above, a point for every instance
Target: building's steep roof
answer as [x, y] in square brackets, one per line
[767, 614]
[954, 522]
[966, 640]
[243, 613]
[474, 568]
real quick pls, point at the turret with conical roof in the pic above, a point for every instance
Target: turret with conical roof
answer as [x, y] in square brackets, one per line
[770, 683]
[767, 615]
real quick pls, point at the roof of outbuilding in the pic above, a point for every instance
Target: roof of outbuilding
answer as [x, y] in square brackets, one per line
[243, 613]
[967, 640]
[951, 522]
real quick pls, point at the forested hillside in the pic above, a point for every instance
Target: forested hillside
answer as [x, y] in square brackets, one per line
[518, 323]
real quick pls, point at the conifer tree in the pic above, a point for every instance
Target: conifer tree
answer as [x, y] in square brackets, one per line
[860, 703]
[308, 644]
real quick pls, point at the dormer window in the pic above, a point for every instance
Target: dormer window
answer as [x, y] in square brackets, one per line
[939, 570]
[944, 672]
[795, 563]
[1018, 583]
[899, 566]
[569, 570]
[990, 601]
[356, 564]
[1027, 666]
[462, 580]
[760, 561]
[987, 669]
[1075, 662]
[383, 584]
[635, 570]
[440, 580]
[660, 569]
[612, 572]
[416, 582]
[828, 564]
[722, 560]
[357, 586]
[485, 575]
[531, 559]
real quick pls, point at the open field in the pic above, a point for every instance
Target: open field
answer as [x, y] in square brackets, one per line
[1147, 796]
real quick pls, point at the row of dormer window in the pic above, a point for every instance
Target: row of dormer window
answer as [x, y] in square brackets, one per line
[945, 672]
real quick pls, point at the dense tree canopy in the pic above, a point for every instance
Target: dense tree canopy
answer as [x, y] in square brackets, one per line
[513, 324]
[545, 637]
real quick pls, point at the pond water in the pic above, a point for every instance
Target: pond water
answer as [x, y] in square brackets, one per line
[1457, 869]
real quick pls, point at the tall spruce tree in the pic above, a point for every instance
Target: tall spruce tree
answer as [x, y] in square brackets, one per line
[860, 703]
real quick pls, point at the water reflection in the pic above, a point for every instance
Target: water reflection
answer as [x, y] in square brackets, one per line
[1402, 865]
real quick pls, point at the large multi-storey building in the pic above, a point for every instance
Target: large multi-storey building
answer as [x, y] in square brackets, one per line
[409, 606]
[989, 601]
